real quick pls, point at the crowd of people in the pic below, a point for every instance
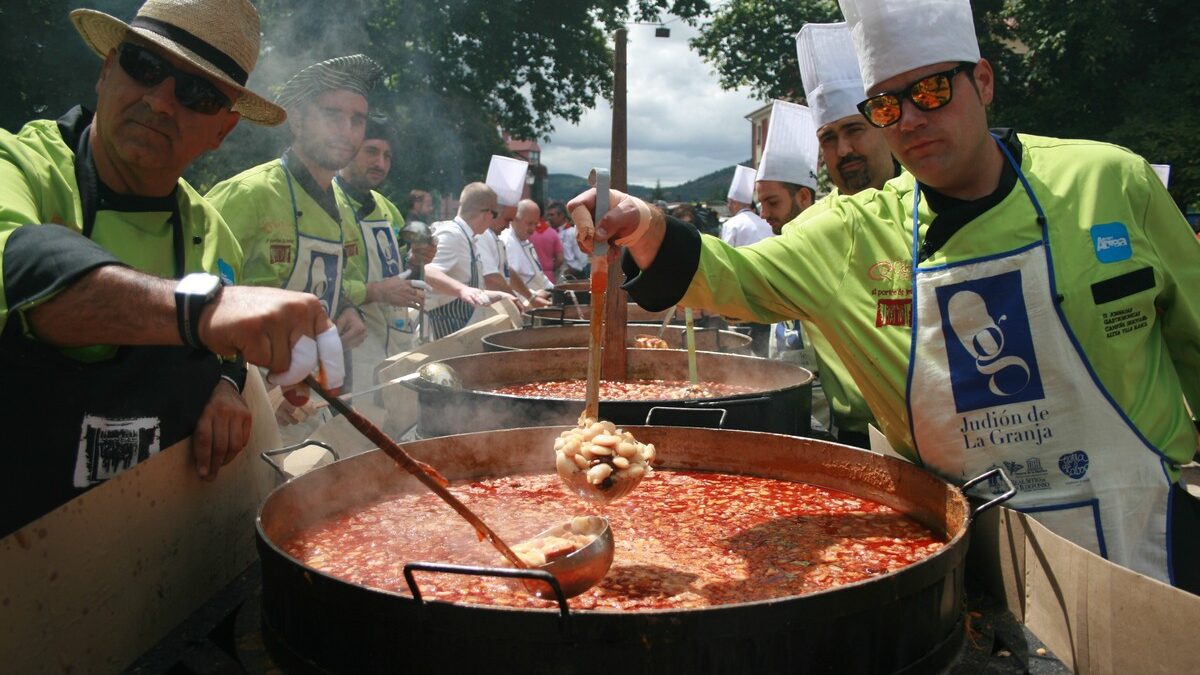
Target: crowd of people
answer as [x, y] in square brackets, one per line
[986, 298]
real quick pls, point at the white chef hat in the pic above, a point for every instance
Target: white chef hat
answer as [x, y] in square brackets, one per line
[790, 153]
[833, 85]
[741, 189]
[506, 177]
[896, 36]
[1164, 173]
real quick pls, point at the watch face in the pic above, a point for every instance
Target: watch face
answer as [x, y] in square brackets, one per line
[199, 284]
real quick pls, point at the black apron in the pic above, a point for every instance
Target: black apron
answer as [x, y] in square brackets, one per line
[71, 425]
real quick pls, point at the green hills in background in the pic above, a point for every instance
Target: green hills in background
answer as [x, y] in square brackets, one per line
[708, 188]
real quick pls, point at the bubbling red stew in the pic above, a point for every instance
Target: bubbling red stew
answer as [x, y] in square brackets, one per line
[684, 539]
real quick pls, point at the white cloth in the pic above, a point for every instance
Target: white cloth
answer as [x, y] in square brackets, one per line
[506, 176]
[308, 353]
[896, 36]
[741, 188]
[1164, 173]
[790, 153]
[744, 228]
[453, 256]
[573, 256]
[523, 262]
[833, 84]
[493, 257]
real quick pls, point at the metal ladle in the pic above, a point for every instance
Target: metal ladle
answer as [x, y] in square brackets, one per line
[580, 570]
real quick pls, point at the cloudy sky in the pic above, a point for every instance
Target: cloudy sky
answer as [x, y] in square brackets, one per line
[681, 125]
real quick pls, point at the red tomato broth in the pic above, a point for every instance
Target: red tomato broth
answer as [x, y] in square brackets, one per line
[632, 390]
[683, 540]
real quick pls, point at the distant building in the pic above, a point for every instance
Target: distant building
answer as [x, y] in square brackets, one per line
[530, 151]
[759, 119]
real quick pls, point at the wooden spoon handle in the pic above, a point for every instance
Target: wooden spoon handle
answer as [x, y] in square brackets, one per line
[393, 450]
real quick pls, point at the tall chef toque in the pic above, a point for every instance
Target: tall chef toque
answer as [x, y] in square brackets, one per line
[829, 70]
[741, 189]
[356, 73]
[790, 153]
[896, 36]
[506, 177]
[217, 37]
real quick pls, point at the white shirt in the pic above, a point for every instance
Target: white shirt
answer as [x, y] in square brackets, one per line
[745, 228]
[454, 244]
[523, 262]
[493, 255]
[573, 256]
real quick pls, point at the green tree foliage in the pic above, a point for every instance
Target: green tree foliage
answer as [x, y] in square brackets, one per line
[1118, 71]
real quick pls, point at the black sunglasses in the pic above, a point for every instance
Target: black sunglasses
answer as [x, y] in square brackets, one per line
[928, 93]
[192, 91]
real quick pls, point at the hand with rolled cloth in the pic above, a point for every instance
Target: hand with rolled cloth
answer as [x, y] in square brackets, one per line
[480, 298]
[629, 222]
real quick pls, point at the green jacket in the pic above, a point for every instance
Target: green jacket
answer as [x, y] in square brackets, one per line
[38, 186]
[383, 209]
[257, 204]
[847, 267]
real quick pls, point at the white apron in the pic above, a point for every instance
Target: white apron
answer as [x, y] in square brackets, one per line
[997, 379]
[391, 327]
[317, 267]
[538, 280]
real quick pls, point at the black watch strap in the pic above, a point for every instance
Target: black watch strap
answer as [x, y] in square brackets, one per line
[188, 308]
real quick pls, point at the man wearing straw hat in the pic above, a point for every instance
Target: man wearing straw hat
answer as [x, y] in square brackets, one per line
[113, 313]
[1011, 301]
[286, 214]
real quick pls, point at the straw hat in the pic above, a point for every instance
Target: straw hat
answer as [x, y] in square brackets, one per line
[218, 37]
[357, 73]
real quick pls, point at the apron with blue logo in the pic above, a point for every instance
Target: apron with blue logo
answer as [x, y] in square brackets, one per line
[317, 266]
[997, 379]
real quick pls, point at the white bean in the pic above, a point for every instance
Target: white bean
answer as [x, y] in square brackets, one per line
[627, 449]
[564, 464]
[621, 463]
[580, 461]
[598, 473]
[600, 450]
[606, 439]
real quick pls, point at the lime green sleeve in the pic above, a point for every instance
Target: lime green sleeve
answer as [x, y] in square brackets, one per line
[239, 208]
[1179, 251]
[779, 278]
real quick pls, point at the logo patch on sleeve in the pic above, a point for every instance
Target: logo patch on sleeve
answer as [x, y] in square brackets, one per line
[1111, 241]
[225, 270]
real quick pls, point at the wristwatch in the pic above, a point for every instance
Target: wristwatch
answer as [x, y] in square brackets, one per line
[192, 295]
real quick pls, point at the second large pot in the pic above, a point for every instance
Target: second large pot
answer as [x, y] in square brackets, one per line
[552, 337]
[781, 400]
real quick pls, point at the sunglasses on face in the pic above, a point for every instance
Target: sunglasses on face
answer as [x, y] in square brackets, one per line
[928, 93]
[192, 91]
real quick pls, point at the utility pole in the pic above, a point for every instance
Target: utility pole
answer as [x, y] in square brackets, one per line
[616, 311]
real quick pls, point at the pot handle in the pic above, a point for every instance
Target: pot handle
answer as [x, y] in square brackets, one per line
[692, 410]
[536, 313]
[503, 572]
[1012, 489]
[268, 456]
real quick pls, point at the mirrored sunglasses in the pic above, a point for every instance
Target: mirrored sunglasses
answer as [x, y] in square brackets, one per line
[928, 93]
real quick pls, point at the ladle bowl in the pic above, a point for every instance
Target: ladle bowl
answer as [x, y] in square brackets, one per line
[579, 570]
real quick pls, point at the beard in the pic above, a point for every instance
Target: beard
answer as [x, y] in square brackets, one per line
[328, 156]
[855, 178]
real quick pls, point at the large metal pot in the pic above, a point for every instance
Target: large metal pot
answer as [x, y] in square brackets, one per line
[549, 337]
[909, 620]
[780, 403]
[571, 314]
